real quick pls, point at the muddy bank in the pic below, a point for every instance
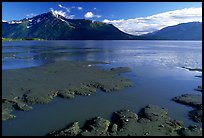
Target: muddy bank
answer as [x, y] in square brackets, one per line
[198, 76]
[193, 69]
[189, 99]
[199, 88]
[194, 101]
[151, 121]
[24, 87]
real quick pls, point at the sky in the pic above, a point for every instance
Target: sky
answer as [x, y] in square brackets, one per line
[131, 17]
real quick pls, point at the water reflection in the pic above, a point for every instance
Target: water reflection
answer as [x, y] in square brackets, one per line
[22, 54]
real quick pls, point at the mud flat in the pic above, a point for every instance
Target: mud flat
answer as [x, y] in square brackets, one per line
[199, 88]
[193, 69]
[189, 99]
[151, 121]
[193, 101]
[38, 85]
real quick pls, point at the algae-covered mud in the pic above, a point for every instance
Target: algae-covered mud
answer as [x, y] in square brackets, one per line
[25, 87]
[152, 121]
[192, 100]
[63, 73]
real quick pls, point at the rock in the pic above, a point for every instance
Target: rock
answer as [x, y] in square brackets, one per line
[189, 99]
[196, 115]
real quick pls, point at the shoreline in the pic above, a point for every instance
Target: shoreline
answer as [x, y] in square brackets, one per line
[151, 121]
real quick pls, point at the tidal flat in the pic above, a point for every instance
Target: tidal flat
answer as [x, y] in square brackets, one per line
[153, 68]
[38, 85]
[152, 121]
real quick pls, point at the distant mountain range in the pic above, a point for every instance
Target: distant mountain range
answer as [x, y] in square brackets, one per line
[52, 26]
[183, 31]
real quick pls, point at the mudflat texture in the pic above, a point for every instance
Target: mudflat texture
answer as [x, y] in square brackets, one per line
[153, 121]
[199, 88]
[194, 101]
[193, 69]
[190, 99]
[24, 87]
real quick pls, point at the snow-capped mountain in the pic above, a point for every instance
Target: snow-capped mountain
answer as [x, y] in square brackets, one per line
[54, 26]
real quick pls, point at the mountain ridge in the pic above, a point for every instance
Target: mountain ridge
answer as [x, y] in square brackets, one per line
[182, 31]
[51, 26]
[48, 26]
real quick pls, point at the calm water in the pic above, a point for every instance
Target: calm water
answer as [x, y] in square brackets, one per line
[156, 73]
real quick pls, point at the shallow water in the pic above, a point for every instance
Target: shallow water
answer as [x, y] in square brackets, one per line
[156, 73]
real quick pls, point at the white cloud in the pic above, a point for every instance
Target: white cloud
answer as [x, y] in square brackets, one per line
[66, 8]
[56, 12]
[143, 25]
[88, 15]
[31, 15]
[80, 8]
[59, 12]
[95, 8]
[91, 15]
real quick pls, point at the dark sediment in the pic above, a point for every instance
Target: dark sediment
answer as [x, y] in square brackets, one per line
[193, 69]
[25, 87]
[190, 99]
[198, 76]
[71, 130]
[199, 88]
[194, 101]
[153, 121]
[196, 115]
[120, 69]
[191, 131]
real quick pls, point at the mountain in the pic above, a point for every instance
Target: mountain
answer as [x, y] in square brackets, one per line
[52, 26]
[183, 31]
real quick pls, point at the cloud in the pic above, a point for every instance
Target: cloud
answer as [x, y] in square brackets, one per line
[62, 13]
[91, 15]
[80, 8]
[56, 12]
[59, 12]
[31, 15]
[66, 8]
[143, 25]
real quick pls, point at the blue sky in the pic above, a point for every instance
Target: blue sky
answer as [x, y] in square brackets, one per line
[109, 12]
